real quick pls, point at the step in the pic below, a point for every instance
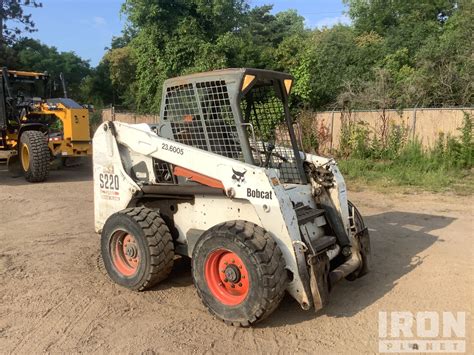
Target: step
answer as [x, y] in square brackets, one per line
[323, 243]
[306, 214]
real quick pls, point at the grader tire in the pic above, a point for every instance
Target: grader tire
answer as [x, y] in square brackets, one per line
[34, 156]
[239, 272]
[137, 248]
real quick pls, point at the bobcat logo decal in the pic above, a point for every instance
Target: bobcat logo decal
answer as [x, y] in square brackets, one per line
[238, 176]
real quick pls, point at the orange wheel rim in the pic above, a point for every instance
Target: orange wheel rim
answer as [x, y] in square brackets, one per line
[227, 277]
[125, 253]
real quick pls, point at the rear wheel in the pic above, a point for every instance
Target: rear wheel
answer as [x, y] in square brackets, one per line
[137, 248]
[34, 156]
[239, 272]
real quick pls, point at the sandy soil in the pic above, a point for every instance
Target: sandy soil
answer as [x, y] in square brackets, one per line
[55, 296]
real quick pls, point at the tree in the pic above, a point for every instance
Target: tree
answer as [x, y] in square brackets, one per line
[97, 88]
[176, 37]
[13, 10]
[403, 23]
[331, 57]
[32, 55]
[427, 58]
[445, 65]
[419, 52]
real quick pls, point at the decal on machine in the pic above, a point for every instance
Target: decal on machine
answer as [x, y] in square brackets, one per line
[256, 193]
[172, 148]
[109, 186]
[238, 176]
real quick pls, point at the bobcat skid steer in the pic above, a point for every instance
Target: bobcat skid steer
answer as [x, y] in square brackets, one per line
[222, 179]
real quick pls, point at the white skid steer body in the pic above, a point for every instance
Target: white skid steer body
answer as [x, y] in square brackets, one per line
[320, 235]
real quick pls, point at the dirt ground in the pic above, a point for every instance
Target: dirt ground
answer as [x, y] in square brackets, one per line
[55, 296]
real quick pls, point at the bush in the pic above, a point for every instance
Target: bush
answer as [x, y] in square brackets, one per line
[405, 162]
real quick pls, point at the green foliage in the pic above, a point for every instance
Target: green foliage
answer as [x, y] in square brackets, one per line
[173, 38]
[402, 23]
[186, 36]
[466, 151]
[395, 54]
[96, 88]
[445, 65]
[428, 51]
[404, 162]
[11, 11]
[32, 55]
[331, 58]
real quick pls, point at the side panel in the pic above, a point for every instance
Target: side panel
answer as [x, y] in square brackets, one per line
[75, 121]
[113, 188]
[205, 212]
[76, 125]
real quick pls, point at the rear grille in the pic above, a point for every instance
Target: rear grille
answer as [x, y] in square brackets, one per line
[163, 173]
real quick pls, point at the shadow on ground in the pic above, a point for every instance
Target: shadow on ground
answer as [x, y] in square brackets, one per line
[397, 238]
[180, 275]
[82, 172]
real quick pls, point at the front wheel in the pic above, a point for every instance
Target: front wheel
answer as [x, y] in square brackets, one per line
[34, 156]
[239, 272]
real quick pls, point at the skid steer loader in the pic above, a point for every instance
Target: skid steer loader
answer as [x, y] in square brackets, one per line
[222, 179]
[35, 129]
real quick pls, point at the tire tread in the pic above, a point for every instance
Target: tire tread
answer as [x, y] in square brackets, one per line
[269, 256]
[40, 156]
[159, 242]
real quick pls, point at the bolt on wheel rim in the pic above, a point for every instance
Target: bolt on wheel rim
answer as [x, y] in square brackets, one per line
[227, 277]
[125, 253]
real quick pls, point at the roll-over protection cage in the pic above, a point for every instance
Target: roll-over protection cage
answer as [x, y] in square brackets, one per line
[241, 114]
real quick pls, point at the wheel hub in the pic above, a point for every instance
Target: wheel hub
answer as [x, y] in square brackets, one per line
[232, 273]
[125, 253]
[131, 250]
[227, 277]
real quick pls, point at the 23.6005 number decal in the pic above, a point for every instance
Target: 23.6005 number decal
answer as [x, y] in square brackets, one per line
[109, 181]
[172, 148]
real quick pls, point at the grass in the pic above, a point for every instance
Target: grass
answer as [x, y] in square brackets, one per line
[401, 163]
[407, 178]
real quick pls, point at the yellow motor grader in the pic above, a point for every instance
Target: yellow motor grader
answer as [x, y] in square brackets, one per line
[34, 128]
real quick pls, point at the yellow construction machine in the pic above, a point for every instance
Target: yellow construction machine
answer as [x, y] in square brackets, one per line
[35, 129]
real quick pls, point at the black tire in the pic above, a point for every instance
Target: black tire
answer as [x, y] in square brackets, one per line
[35, 165]
[263, 262]
[152, 247]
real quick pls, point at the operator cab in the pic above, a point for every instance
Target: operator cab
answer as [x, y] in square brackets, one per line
[241, 114]
[28, 87]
